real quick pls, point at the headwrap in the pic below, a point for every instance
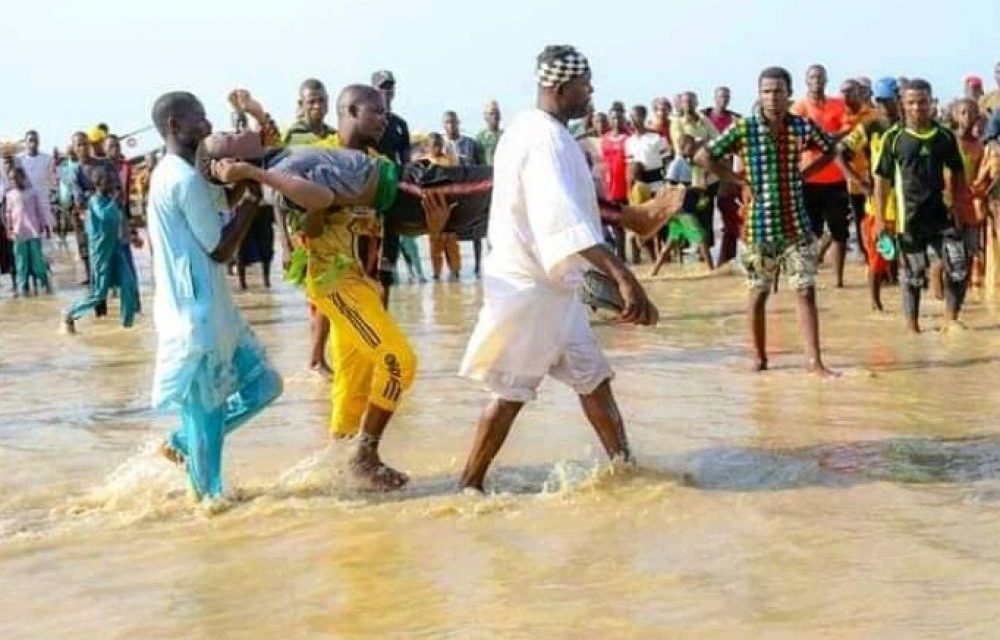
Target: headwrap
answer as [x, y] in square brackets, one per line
[557, 72]
[96, 135]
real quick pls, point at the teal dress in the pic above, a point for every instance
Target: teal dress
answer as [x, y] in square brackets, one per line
[110, 263]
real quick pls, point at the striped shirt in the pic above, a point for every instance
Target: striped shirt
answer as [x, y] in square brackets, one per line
[777, 212]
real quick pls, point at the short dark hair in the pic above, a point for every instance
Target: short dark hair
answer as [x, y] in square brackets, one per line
[103, 126]
[776, 73]
[171, 105]
[30, 132]
[641, 108]
[311, 84]
[919, 84]
[449, 114]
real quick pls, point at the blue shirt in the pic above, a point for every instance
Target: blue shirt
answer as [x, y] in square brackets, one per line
[197, 324]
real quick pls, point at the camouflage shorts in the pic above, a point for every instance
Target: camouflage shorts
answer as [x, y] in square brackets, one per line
[763, 262]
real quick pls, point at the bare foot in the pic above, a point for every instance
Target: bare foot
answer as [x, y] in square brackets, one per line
[369, 469]
[68, 326]
[819, 369]
[758, 364]
[170, 453]
[954, 326]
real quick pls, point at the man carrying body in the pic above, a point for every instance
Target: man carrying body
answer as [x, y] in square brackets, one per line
[545, 230]
[914, 157]
[770, 144]
[209, 365]
[373, 362]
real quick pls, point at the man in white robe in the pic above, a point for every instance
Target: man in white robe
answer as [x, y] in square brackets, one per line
[545, 231]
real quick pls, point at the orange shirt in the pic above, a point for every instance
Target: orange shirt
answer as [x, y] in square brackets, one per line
[831, 116]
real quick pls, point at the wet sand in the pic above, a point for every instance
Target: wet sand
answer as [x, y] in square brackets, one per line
[765, 505]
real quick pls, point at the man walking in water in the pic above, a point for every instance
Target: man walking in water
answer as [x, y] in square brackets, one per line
[209, 365]
[545, 230]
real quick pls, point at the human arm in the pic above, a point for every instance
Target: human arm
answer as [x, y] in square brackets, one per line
[306, 194]
[962, 208]
[847, 148]
[885, 171]
[819, 139]
[639, 309]
[712, 156]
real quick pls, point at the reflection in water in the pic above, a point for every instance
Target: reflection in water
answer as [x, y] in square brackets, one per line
[762, 505]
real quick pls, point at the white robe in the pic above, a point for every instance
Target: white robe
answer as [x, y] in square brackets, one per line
[543, 213]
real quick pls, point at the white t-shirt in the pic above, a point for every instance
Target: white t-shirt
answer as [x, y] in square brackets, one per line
[648, 149]
[543, 213]
[680, 171]
[39, 171]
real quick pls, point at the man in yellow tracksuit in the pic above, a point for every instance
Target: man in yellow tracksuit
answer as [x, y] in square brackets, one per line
[372, 360]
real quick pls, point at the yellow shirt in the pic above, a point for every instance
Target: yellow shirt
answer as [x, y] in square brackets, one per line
[349, 246]
[990, 102]
[870, 135]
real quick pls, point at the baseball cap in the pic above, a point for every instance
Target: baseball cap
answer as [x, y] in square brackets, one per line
[886, 89]
[381, 77]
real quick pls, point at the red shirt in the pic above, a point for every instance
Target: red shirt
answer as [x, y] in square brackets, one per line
[831, 116]
[720, 121]
[615, 173]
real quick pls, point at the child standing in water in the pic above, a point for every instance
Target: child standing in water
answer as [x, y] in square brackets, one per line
[108, 266]
[25, 221]
[684, 226]
[965, 112]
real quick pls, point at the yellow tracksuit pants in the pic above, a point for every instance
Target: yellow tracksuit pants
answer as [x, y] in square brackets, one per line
[371, 358]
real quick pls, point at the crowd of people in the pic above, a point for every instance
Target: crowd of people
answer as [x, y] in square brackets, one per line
[914, 179]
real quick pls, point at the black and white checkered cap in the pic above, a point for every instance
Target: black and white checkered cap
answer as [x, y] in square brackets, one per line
[555, 73]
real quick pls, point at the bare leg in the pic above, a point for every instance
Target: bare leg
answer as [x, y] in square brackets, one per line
[494, 425]
[241, 270]
[706, 255]
[809, 326]
[936, 275]
[824, 246]
[266, 268]
[663, 257]
[839, 258]
[602, 412]
[875, 289]
[366, 464]
[758, 328]
[320, 329]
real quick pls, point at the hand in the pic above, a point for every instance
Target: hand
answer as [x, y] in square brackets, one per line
[242, 101]
[436, 211]
[867, 187]
[878, 227]
[667, 201]
[228, 171]
[638, 307]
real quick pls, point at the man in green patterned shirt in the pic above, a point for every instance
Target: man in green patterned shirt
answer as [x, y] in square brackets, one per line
[776, 231]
